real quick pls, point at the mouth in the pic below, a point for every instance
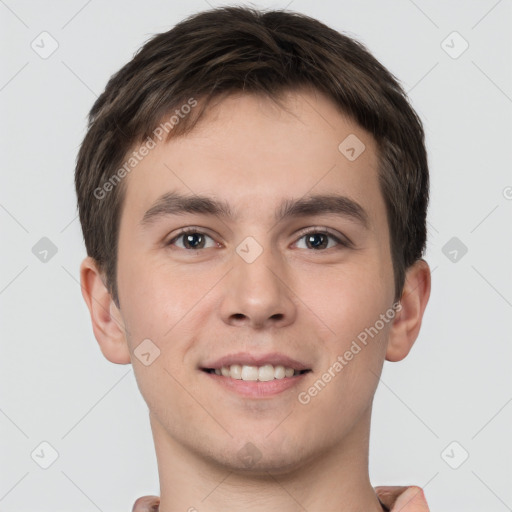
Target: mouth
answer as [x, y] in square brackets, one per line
[265, 373]
[256, 375]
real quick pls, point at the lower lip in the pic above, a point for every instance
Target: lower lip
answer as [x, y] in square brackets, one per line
[255, 388]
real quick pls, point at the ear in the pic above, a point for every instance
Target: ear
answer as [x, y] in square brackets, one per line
[107, 322]
[407, 323]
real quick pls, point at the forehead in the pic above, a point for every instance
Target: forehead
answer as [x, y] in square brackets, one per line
[251, 154]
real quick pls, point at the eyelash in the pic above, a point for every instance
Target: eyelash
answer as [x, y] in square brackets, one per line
[308, 231]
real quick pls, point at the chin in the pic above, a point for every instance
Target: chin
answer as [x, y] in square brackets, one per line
[260, 457]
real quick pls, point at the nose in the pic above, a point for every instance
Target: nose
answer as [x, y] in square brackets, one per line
[258, 293]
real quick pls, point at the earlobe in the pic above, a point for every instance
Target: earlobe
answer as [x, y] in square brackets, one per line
[107, 322]
[407, 323]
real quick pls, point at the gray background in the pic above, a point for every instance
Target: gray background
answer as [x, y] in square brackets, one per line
[56, 386]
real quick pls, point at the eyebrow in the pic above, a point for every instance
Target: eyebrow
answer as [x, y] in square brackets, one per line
[173, 203]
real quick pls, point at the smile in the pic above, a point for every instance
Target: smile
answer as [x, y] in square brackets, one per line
[263, 373]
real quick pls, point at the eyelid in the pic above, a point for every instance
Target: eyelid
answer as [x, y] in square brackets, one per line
[189, 229]
[342, 239]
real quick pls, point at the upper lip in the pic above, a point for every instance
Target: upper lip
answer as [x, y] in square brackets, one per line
[247, 359]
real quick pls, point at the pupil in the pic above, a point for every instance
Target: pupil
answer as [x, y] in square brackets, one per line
[190, 239]
[312, 238]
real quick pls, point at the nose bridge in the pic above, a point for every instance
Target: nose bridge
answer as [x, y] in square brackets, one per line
[256, 291]
[259, 266]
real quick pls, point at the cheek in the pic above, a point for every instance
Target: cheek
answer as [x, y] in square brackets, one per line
[345, 299]
[347, 379]
[349, 304]
[159, 305]
[159, 297]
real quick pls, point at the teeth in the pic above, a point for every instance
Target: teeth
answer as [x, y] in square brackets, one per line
[235, 371]
[279, 372]
[266, 372]
[249, 373]
[252, 373]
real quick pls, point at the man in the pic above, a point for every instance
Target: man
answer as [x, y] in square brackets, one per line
[253, 191]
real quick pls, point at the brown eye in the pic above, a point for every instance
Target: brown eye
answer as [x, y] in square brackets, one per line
[191, 239]
[319, 240]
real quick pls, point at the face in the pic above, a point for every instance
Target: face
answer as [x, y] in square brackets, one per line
[299, 287]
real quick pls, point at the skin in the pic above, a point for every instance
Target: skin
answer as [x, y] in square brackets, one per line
[307, 303]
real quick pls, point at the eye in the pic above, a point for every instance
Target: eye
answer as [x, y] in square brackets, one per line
[318, 239]
[192, 239]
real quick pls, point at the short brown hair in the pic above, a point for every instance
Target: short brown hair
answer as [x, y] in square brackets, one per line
[241, 49]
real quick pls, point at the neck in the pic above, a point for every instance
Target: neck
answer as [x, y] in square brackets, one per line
[336, 479]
